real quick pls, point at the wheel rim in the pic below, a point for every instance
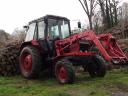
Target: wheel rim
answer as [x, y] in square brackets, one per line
[62, 74]
[26, 63]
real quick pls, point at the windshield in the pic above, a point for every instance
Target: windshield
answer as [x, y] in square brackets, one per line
[58, 28]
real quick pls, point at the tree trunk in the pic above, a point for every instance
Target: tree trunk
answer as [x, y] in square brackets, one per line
[108, 16]
[116, 20]
[111, 15]
[90, 22]
[101, 3]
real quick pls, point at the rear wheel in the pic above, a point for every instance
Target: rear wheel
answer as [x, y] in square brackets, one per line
[64, 72]
[97, 67]
[30, 62]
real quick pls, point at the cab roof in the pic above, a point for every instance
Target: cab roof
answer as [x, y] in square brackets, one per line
[48, 16]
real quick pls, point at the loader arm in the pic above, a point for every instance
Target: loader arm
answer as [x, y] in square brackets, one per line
[105, 43]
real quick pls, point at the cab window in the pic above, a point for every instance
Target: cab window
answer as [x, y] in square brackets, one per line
[58, 28]
[30, 32]
[41, 28]
[65, 29]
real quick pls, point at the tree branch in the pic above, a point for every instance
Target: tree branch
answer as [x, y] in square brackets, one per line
[86, 5]
[83, 6]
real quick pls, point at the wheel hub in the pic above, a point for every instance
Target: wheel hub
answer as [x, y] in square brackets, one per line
[62, 74]
[27, 63]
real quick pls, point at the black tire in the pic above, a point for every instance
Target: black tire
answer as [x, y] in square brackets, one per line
[70, 73]
[97, 67]
[36, 62]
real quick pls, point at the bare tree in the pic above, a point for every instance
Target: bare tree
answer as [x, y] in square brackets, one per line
[19, 34]
[123, 19]
[89, 6]
[109, 12]
[102, 8]
[97, 22]
[125, 12]
[115, 3]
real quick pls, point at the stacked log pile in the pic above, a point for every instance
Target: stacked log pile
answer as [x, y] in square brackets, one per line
[124, 45]
[9, 52]
[9, 59]
[119, 32]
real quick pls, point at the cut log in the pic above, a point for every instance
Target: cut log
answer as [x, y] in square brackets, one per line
[9, 59]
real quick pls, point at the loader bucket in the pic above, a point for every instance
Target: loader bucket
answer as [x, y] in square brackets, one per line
[113, 49]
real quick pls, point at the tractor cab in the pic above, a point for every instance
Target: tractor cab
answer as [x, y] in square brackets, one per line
[47, 30]
[49, 27]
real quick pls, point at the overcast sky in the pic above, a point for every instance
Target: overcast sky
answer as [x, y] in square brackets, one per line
[16, 13]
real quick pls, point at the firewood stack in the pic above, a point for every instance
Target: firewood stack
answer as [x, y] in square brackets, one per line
[9, 59]
[124, 45]
[9, 52]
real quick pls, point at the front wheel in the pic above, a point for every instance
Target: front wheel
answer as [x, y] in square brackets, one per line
[97, 67]
[64, 72]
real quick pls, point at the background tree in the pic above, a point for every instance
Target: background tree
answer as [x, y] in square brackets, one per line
[89, 6]
[123, 19]
[107, 17]
[97, 22]
[19, 34]
[109, 12]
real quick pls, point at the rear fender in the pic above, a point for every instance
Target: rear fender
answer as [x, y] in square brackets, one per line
[31, 43]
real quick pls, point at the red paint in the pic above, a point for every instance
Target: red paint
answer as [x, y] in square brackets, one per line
[26, 65]
[62, 73]
[35, 42]
[106, 44]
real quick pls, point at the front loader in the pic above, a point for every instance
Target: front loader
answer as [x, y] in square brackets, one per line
[49, 44]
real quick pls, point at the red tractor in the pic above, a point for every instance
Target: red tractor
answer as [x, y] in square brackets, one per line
[50, 44]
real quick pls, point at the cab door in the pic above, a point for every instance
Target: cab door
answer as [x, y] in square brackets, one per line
[53, 34]
[40, 35]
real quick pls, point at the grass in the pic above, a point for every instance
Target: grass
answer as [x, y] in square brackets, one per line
[115, 82]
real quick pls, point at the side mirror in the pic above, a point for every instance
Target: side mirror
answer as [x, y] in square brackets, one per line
[79, 24]
[26, 27]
